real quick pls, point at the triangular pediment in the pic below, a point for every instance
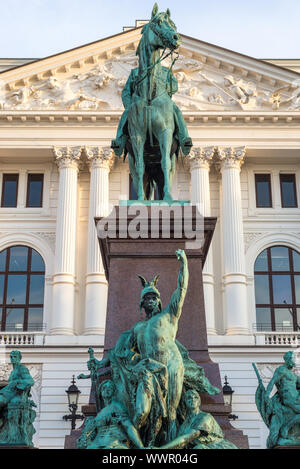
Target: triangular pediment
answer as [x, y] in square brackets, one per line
[91, 78]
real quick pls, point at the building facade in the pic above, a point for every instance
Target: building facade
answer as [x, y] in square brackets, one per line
[57, 172]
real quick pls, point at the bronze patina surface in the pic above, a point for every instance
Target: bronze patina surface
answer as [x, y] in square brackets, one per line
[281, 412]
[152, 129]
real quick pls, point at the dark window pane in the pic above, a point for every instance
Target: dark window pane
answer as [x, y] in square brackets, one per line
[37, 262]
[297, 288]
[36, 295]
[282, 291]
[288, 190]
[296, 260]
[3, 260]
[35, 190]
[18, 258]
[262, 293]
[263, 190]
[261, 264]
[280, 259]
[16, 289]
[263, 319]
[283, 319]
[35, 318]
[10, 190]
[14, 319]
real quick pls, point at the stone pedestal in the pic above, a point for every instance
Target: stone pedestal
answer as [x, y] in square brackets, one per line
[124, 258]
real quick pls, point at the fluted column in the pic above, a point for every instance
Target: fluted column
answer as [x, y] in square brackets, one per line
[100, 161]
[200, 163]
[67, 159]
[235, 285]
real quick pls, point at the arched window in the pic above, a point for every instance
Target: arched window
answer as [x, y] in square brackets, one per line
[277, 289]
[22, 278]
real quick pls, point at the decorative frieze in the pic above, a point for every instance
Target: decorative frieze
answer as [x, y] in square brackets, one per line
[203, 84]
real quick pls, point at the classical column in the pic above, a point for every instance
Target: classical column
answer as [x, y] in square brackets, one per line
[67, 159]
[235, 282]
[100, 161]
[200, 162]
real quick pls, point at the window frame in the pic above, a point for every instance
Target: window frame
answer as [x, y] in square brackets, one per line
[271, 273]
[27, 305]
[256, 176]
[293, 176]
[5, 177]
[29, 176]
[50, 177]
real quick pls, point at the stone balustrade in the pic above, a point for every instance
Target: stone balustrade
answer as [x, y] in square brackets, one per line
[287, 339]
[21, 338]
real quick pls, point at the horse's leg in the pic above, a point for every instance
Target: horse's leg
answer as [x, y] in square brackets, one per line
[138, 149]
[159, 180]
[148, 186]
[173, 169]
[165, 143]
[133, 172]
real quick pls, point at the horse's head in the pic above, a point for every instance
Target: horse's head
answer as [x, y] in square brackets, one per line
[162, 31]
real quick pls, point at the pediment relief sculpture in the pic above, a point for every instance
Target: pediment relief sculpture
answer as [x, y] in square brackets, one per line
[201, 88]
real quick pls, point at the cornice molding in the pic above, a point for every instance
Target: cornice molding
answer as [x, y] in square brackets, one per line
[110, 118]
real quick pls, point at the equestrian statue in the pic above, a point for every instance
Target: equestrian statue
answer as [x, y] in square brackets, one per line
[152, 130]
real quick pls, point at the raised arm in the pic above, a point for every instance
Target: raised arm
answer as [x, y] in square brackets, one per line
[178, 296]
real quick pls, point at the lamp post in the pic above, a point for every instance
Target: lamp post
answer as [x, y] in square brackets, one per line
[227, 393]
[73, 396]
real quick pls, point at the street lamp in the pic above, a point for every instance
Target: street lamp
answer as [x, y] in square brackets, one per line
[73, 396]
[227, 393]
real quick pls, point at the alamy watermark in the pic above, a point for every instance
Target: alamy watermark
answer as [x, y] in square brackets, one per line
[156, 221]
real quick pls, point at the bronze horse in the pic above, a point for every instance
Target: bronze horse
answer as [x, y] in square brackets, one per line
[152, 127]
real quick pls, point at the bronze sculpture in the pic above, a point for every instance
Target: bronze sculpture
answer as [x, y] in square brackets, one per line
[17, 412]
[152, 372]
[281, 412]
[152, 128]
[199, 430]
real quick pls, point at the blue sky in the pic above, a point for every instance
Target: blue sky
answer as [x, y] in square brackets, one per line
[260, 28]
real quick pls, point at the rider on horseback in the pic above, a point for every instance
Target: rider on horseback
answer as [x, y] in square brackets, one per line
[171, 84]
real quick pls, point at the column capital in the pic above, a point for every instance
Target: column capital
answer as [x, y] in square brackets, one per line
[201, 157]
[100, 157]
[67, 157]
[231, 157]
